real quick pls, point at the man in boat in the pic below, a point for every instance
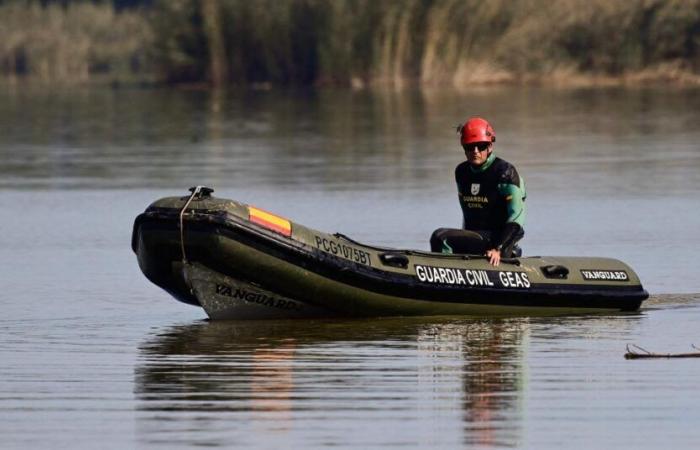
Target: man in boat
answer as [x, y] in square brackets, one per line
[492, 196]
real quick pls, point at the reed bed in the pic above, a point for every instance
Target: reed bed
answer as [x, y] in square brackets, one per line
[356, 42]
[73, 43]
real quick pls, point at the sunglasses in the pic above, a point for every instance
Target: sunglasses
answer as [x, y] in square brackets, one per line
[480, 146]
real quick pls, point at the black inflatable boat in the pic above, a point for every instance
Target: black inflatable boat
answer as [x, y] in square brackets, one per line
[241, 262]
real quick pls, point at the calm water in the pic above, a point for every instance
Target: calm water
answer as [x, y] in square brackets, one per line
[93, 355]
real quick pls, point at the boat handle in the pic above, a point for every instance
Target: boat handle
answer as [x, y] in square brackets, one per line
[394, 260]
[555, 271]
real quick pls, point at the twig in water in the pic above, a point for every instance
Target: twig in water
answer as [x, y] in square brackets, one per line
[631, 354]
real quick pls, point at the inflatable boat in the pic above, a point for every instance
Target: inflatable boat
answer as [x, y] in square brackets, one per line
[238, 261]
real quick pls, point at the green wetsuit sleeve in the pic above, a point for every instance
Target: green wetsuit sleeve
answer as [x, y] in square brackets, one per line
[515, 201]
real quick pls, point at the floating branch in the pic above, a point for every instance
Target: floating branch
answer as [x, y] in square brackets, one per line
[632, 354]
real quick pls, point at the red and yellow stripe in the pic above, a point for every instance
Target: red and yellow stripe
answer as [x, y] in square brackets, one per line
[270, 221]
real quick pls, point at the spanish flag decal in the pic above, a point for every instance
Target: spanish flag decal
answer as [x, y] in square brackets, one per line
[270, 221]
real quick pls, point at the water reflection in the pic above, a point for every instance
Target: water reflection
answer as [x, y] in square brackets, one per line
[278, 377]
[494, 385]
[341, 139]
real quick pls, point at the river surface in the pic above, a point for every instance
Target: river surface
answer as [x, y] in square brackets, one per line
[93, 355]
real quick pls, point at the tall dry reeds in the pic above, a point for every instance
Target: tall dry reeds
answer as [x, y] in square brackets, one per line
[356, 42]
[455, 42]
[72, 43]
[502, 40]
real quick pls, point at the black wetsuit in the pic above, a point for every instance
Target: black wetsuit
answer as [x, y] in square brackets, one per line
[492, 199]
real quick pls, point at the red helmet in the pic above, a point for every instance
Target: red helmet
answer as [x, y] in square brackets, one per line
[476, 129]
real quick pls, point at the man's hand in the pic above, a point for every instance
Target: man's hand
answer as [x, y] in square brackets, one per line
[494, 256]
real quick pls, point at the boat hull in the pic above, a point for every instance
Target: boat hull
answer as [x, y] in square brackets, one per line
[226, 298]
[319, 274]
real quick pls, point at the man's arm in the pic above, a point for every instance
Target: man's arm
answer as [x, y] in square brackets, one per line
[515, 206]
[514, 196]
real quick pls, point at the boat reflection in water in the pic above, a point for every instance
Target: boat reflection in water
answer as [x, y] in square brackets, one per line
[272, 385]
[493, 383]
[374, 382]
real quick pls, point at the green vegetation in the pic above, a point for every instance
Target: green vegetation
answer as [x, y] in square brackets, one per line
[357, 42]
[74, 43]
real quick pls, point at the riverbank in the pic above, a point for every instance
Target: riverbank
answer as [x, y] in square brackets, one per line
[357, 43]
